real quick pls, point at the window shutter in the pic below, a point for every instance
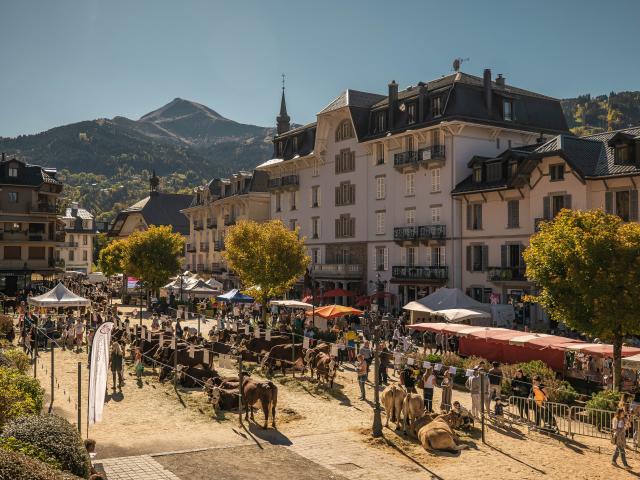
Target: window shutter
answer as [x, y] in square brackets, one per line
[385, 252]
[546, 208]
[403, 255]
[376, 262]
[469, 213]
[567, 201]
[608, 202]
[633, 205]
[337, 228]
[443, 256]
[352, 227]
[503, 255]
[429, 257]
[480, 217]
[485, 257]
[337, 163]
[469, 258]
[353, 193]
[337, 196]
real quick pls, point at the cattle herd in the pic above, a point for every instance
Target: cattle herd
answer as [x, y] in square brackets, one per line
[191, 363]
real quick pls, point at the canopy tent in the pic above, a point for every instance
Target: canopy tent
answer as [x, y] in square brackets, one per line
[334, 311]
[338, 292]
[235, 296]
[212, 282]
[292, 304]
[632, 362]
[448, 298]
[200, 288]
[602, 349]
[417, 307]
[464, 315]
[59, 296]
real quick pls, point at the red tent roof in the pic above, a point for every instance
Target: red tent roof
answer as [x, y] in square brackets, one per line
[338, 292]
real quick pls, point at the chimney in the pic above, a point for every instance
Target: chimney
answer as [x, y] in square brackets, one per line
[500, 80]
[393, 103]
[486, 84]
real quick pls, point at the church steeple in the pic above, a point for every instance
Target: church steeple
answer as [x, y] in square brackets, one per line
[154, 183]
[282, 120]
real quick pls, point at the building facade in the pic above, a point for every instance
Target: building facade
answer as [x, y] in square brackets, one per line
[214, 208]
[369, 183]
[76, 252]
[30, 226]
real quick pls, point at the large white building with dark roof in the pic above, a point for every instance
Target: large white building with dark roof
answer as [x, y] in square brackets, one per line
[76, 252]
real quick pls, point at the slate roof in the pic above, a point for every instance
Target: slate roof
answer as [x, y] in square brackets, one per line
[160, 209]
[31, 175]
[606, 165]
[353, 98]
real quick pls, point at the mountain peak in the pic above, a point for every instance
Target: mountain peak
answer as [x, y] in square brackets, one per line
[180, 108]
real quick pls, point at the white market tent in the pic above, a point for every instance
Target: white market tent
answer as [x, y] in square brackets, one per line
[632, 362]
[417, 307]
[464, 315]
[212, 282]
[292, 304]
[200, 288]
[59, 296]
[445, 299]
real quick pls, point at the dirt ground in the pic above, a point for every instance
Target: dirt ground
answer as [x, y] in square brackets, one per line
[155, 418]
[268, 462]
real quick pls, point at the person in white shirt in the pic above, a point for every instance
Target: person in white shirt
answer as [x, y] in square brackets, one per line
[429, 381]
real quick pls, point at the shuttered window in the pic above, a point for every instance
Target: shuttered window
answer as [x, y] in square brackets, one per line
[345, 194]
[435, 180]
[381, 188]
[345, 226]
[345, 161]
[477, 258]
[381, 258]
[552, 205]
[410, 183]
[623, 203]
[380, 222]
[513, 214]
[474, 216]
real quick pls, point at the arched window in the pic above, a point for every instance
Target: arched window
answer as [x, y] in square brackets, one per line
[344, 131]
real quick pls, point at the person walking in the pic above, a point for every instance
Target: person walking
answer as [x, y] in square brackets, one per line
[618, 437]
[361, 368]
[429, 383]
[116, 363]
[473, 385]
[447, 391]
[438, 343]
[495, 381]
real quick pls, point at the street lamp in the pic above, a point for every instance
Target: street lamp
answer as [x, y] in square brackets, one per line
[140, 287]
[376, 431]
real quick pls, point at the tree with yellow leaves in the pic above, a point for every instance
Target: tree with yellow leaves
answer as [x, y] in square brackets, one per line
[268, 258]
[587, 267]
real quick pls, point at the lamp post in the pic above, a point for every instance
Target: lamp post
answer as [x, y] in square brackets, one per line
[140, 287]
[376, 431]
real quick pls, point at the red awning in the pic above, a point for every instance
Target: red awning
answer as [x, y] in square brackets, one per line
[363, 302]
[338, 292]
[601, 349]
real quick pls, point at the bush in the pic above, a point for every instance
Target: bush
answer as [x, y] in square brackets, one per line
[6, 324]
[18, 466]
[433, 358]
[559, 391]
[55, 436]
[15, 445]
[604, 400]
[17, 359]
[20, 395]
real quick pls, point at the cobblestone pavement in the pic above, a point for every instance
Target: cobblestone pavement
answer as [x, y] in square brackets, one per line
[141, 467]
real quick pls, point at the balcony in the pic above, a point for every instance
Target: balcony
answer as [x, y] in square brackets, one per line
[337, 270]
[403, 272]
[405, 159]
[204, 246]
[506, 274]
[69, 244]
[405, 234]
[288, 182]
[228, 221]
[432, 232]
[219, 246]
[216, 267]
[43, 208]
[191, 247]
[211, 224]
[198, 225]
[433, 156]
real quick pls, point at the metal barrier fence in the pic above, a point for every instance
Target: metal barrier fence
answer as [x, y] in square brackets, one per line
[569, 421]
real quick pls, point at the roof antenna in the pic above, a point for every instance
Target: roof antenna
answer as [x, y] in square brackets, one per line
[283, 77]
[457, 63]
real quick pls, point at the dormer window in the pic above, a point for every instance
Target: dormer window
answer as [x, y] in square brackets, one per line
[411, 113]
[477, 174]
[344, 131]
[295, 144]
[513, 168]
[13, 171]
[494, 171]
[379, 122]
[556, 172]
[622, 154]
[507, 110]
[436, 106]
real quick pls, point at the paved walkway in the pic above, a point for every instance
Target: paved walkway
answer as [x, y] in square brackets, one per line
[141, 467]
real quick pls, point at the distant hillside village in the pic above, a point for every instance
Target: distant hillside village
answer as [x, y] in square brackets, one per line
[439, 184]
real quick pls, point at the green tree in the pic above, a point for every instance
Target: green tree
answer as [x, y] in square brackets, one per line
[587, 267]
[111, 259]
[100, 241]
[154, 255]
[268, 258]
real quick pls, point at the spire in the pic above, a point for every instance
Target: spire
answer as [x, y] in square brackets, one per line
[154, 182]
[282, 120]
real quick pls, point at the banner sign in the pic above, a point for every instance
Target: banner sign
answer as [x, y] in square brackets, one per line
[99, 371]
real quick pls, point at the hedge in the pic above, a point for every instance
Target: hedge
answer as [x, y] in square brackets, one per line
[15, 445]
[18, 466]
[54, 435]
[17, 359]
[20, 395]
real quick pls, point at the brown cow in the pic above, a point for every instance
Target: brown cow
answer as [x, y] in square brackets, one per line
[194, 376]
[264, 392]
[287, 355]
[326, 368]
[412, 409]
[224, 399]
[439, 434]
[392, 398]
[311, 354]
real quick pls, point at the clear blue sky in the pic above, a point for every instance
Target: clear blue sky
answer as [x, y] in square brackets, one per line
[64, 61]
